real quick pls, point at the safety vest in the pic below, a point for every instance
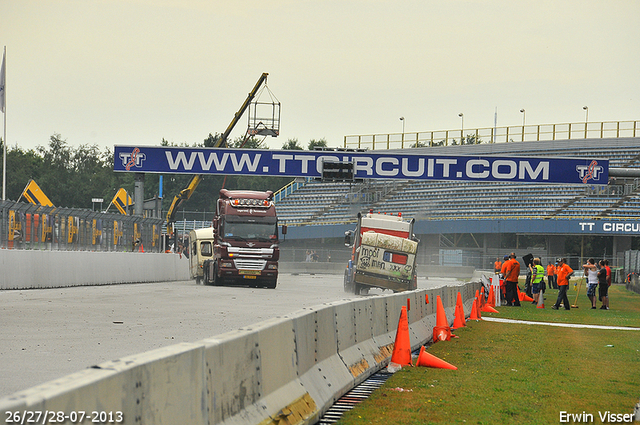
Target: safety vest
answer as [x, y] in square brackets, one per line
[538, 271]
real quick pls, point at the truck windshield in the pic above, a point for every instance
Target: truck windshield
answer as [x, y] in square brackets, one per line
[263, 229]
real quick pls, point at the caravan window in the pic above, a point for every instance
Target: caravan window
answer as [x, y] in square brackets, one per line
[205, 249]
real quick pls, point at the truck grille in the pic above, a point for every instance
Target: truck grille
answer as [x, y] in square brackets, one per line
[250, 251]
[249, 264]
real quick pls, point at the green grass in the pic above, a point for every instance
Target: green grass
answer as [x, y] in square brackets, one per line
[521, 374]
[624, 308]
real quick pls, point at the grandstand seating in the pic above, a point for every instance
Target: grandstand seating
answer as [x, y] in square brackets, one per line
[317, 202]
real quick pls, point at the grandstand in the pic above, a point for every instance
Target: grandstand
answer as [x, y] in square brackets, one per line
[481, 208]
[317, 202]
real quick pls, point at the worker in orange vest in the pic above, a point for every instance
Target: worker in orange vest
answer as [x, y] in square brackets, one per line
[564, 273]
[511, 273]
[551, 276]
[497, 266]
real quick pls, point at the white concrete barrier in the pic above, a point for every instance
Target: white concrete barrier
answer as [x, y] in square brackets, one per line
[284, 370]
[27, 269]
[164, 386]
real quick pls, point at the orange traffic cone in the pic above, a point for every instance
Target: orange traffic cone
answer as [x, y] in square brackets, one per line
[475, 313]
[442, 331]
[402, 345]
[482, 297]
[492, 297]
[141, 247]
[540, 300]
[488, 309]
[459, 321]
[523, 296]
[429, 360]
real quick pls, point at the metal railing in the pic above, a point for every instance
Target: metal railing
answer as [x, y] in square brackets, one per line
[29, 226]
[520, 133]
[288, 189]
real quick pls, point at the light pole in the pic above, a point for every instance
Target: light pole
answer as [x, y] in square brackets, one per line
[586, 119]
[524, 115]
[402, 119]
[461, 115]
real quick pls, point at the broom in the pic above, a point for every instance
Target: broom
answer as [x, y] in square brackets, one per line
[575, 304]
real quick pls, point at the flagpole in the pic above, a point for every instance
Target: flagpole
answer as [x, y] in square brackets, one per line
[4, 137]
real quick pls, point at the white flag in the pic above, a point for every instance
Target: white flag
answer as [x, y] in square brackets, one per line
[2, 86]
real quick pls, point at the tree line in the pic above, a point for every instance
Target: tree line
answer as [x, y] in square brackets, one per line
[72, 176]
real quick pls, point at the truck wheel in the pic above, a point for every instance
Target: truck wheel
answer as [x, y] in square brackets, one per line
[214, 280]
[271, 284]
[205, 273]
[210, 273]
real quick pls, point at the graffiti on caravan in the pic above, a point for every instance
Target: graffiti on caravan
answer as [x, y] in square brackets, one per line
[366, 165]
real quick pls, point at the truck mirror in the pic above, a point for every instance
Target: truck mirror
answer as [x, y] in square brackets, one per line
[284, 229]
[215, 223]
[347, 238]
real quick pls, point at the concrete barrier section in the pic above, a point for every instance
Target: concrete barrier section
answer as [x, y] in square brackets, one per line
[287, 370]
[328, 377]
[28, 269]
[356, 346]
[252, 375]
[164, 386]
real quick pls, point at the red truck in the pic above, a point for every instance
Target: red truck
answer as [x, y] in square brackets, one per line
[245, 240]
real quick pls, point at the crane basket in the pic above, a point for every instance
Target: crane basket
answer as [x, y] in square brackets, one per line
[264, 116]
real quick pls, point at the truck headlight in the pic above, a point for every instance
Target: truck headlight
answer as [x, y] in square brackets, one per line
[226, 264]
[272, 266]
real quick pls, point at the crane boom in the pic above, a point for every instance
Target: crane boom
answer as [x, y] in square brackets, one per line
[186, 193]
[222, 141]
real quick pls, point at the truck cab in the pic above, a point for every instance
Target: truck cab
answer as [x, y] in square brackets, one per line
[245, 240]
[201, 250]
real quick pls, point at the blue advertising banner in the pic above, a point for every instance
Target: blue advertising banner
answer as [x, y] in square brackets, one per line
[366, 165]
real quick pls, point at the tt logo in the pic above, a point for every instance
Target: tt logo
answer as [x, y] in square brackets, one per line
[133, 159]
[591, 171]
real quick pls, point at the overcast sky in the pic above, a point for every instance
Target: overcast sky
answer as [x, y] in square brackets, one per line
[134, 72]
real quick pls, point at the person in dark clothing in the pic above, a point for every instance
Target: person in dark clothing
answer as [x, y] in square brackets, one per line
[511, 272]
[563, 274]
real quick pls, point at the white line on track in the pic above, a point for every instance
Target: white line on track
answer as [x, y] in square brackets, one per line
[562, 325]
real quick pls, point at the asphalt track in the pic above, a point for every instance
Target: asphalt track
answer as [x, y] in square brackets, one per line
[49, 333]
